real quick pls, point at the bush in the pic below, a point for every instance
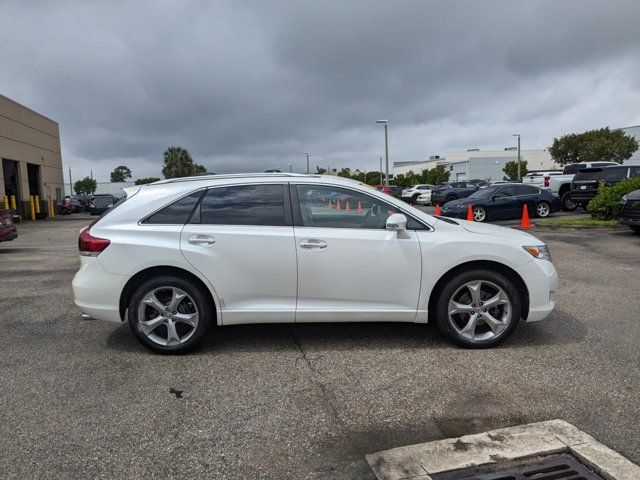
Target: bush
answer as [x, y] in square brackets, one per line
[606, 206]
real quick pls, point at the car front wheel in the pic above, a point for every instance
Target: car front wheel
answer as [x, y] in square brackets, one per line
[478, 309]
[169, 315]
[479, 214]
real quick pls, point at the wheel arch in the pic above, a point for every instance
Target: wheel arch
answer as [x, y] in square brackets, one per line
[564, 188]
[482, 265]
[135, 281]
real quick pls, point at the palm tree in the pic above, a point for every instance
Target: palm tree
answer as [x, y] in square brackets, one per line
[178, 163]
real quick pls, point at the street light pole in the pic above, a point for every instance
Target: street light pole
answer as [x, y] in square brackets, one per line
[381, 181]
[519, 176]
[307, 154]
[386, 151]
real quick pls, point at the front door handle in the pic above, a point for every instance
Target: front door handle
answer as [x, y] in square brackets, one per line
[201, 240]
[313, 244]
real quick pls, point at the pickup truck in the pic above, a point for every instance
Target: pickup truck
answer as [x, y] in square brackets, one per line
[540, 179]
[561, 184]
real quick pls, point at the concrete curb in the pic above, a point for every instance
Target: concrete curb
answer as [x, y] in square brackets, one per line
[419, 462]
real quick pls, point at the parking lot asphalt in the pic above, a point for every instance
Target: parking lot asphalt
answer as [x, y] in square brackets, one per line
[82, 399]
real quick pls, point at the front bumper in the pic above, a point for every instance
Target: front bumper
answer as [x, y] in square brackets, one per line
[97, 292]
[541, 279]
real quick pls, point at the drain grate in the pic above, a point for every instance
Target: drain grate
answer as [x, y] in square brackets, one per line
[561, 467]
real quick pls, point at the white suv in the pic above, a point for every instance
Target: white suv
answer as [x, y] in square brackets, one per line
[180, 256]
[411, 194]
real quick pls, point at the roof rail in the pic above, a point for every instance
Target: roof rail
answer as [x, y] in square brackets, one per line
[211, 176]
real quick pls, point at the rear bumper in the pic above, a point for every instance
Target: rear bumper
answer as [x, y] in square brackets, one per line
[97, 292]
[629, 221]
[580, 196]
[541, 279]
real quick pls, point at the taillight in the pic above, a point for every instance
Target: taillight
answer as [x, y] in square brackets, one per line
[546, 181]
[89, 245]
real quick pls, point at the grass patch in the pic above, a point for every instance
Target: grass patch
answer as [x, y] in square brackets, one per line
[579, 222]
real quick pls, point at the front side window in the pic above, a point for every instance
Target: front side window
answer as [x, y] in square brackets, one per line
[334, 207]
[505, 192]
[243, 205]
[177, 213]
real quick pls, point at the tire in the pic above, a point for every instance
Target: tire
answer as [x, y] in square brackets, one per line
[450, 198]
[479, 214]
[482, 336]
[635, 228]
[543, 209]
[566, 203]
[187, 335]
[414, 199]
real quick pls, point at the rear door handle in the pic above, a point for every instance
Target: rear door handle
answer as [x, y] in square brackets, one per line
[201, 240]
[313, 244]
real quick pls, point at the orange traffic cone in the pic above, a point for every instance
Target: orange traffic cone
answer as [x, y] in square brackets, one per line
[347, 209]
[330, 204]
[359, 207]
[438, 211]
[525, 223]
[470, 214]
[338, 206]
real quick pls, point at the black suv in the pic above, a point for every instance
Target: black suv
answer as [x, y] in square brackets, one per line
[587, 181]
[441, 194]
[630, 211]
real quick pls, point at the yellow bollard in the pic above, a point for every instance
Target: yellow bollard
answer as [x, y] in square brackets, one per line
[37, 201]
[32, 208]
[6, 202]
[13, 202]
[52, 210]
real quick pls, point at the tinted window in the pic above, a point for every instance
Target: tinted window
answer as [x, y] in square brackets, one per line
[243, 205]
[471, 185]
[335, 207]
[103, 200]
[505, 192]
[614, 174]
[573, 168]
[177, 213]
[635, 172]
[525, 190]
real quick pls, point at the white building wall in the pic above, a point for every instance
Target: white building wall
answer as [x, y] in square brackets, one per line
[635, 133]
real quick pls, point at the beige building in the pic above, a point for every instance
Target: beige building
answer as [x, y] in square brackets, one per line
[30, 154]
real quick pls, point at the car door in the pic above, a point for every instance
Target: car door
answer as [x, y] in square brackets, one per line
[502, 203]
[350, 267]
[525, 195]
[241, 239]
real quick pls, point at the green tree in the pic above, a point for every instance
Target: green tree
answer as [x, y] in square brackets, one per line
[86, 186]
[144, 181]
[120, 174]
[511, 170]
[593, 146]
[178, 163]
[320, 170]
[437, 175]
[345, 172]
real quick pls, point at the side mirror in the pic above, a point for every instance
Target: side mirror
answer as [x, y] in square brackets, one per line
[397, 223]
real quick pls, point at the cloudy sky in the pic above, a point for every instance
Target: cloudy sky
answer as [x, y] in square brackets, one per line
[248, 85]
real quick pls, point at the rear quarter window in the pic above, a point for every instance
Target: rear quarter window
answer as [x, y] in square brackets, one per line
[176, 213]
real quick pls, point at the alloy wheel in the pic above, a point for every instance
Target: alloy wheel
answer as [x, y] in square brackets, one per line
[479, 310]
[479, 214]
[542, 209]
[168, 316]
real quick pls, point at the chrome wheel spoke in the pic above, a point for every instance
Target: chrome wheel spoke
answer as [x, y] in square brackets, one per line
[188, 318]
[176, 297]
[152, 301]
[499, 298]
[172, 335]
[149, 326]
[495, 325]
[469, 330]
[474, 290]
[455, 307]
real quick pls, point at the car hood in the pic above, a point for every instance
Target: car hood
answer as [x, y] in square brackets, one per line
[635, 195]
[496, 231]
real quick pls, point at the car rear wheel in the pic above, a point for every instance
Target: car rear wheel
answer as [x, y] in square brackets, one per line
[169, 315]
[479, 214]
[478, 309]
[450, 198]
[567, 204]
[543, 209]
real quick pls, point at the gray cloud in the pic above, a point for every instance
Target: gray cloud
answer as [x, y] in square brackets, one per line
[247, 86]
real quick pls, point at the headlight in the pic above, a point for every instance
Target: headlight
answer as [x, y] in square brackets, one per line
[538, 251]
[623, 199]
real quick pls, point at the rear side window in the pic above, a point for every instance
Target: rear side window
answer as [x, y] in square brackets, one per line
[243, 205]
[505, 192]
[177, 213]
[525, 190]
[614, 174]
[573, 168]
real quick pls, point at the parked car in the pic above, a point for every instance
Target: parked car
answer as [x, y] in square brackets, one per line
[411, 194]
[101, 203]
[181, 255]
[540, 179]
[393, 190]
[504, 202]
[447, 192]
[587, 182]
[630, 210]
[8, 230]
[561, 184]
[73, 205]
